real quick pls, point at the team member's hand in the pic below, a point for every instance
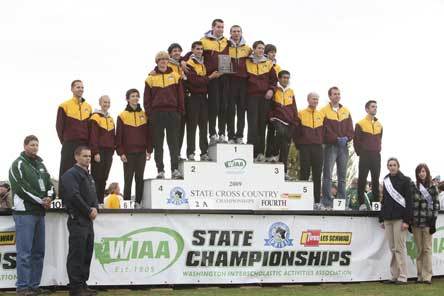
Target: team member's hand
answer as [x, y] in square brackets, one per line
[382, 226]
[97, 157]
[404, 226]
[184, 67]
[148, 156]
[46, 202]
[269, 94]
[93, 214]
[215, 75]
[123, 158]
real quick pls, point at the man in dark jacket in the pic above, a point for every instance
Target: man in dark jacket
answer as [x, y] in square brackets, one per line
[395, 217]
[80, 200]
[32, 193]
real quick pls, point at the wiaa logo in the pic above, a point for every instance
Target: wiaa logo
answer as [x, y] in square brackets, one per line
[159, 247]
[279, 236]
[177, 196]
[236, 165]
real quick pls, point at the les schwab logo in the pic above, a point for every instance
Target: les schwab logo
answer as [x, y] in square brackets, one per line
[315, 238]
[7, 238]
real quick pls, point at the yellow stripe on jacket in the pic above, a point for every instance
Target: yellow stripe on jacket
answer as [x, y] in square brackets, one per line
[311, 131]
[199, 68]
[370, 127]
[134, 119]
[260, 68]
[76, 110]
[239, 52]
[163, 80]
[284, 97]
[176, 68]
[277, 69]
[213, 44]
[107, 123]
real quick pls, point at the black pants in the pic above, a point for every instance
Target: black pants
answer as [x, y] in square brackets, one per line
[183, 121]
[217, 104]
[271, 149]
[236, 107]
[169, 121]
[100, 171]
[257, 117]
[369, 161]
[312, 157]
[197, 115]
[81, 243]
[67, 159]
[134, 167]
[281, 141]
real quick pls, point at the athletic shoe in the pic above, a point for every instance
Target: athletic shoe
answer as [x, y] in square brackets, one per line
[260, 158]
[176, 174]
[204, 157]
[363, 207]
[191, 157]
[287, 177]
[240, 141]
[231, 141]
[25, 292]
[222, 139]
[213, 140]
[160, 175]
[401, 283]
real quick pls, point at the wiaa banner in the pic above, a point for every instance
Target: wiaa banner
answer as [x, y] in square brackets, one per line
[157, 249]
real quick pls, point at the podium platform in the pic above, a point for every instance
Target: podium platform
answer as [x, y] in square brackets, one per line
[231, 180]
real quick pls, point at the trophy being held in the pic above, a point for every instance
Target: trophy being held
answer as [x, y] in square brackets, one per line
[225, 65]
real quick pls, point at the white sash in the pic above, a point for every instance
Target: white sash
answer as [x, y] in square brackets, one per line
[426, 195]
[393, 193]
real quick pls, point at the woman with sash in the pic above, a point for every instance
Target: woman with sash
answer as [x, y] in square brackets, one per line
[425, 213]
[395, 217]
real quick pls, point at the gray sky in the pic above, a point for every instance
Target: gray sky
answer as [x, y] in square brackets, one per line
[391, 51]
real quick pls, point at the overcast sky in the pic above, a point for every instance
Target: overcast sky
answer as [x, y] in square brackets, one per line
[391, 51]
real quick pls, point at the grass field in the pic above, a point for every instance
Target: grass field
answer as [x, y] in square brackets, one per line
[364, 289]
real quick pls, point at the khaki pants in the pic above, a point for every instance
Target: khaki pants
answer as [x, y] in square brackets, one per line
[423, 241]
[396, 239]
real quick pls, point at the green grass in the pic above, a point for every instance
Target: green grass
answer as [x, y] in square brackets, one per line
[364, 289]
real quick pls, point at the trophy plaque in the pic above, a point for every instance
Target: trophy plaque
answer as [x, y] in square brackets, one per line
[225, 65]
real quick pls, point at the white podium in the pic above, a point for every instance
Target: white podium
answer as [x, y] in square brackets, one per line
[231, 181]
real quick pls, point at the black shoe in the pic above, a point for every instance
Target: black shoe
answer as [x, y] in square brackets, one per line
[81, 292]
[25, 292]
[40, 291]
[88, 290]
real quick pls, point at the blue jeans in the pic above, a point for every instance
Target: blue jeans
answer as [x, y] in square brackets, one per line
[30, 245]
[339, 155]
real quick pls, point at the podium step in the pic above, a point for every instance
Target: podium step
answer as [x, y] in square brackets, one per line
[232, 180]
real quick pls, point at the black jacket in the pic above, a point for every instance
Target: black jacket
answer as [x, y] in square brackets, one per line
[79, 193]
[390, 209]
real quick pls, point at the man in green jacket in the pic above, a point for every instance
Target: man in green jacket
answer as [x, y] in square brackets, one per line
[32, 193]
